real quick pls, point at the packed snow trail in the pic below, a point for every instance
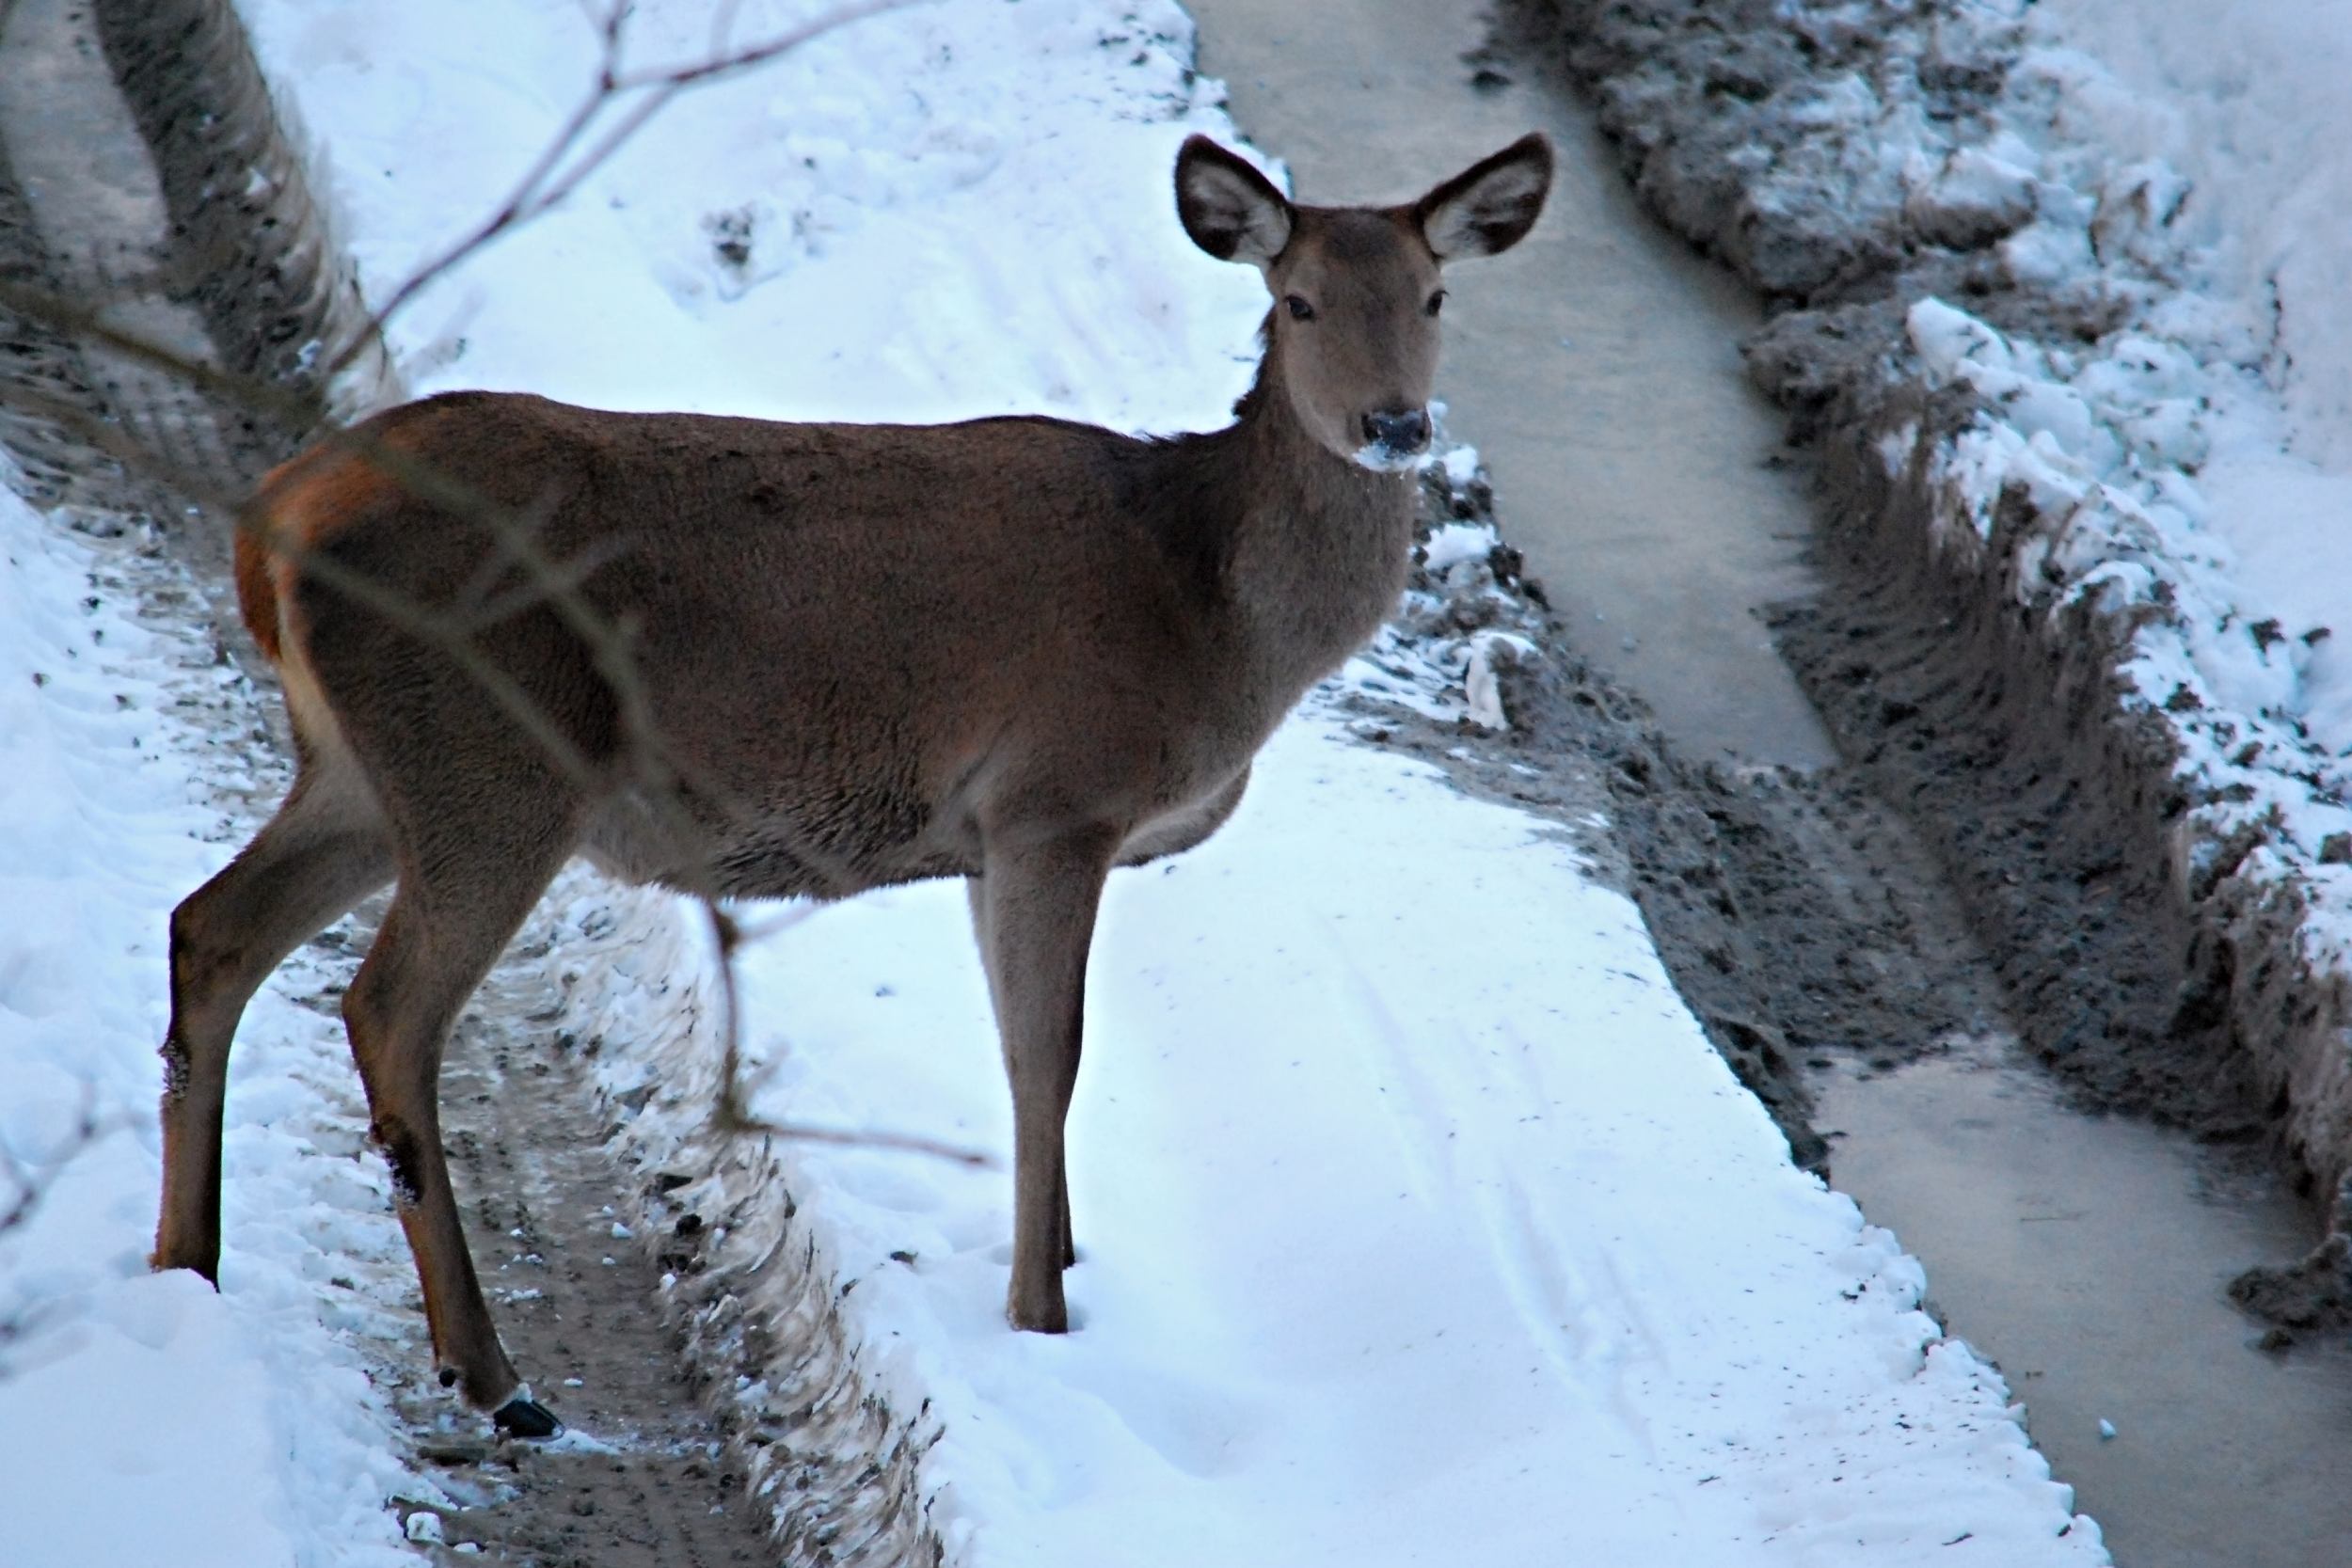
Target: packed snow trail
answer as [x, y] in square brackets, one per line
[1417, 1219]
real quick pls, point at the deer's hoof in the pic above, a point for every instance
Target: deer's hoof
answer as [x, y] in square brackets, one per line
[165, 1258]
[524, 1417]
[1038, 1316]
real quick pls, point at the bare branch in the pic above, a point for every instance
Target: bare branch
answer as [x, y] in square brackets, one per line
[25, 1186]
[732, 1114]
[555, 174]
[515, 535]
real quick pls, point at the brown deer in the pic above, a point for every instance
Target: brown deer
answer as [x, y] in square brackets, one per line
[1020, 651]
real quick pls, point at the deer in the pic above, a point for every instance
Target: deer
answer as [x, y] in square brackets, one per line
[1021, 650]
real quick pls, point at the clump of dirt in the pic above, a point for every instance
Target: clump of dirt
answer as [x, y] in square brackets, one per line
[2311, 1296]
[1717, 108]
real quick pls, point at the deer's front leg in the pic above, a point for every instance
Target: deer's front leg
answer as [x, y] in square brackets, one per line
[975, 888]
[1035, 911]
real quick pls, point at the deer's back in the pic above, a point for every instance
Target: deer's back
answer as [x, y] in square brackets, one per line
[855, 642]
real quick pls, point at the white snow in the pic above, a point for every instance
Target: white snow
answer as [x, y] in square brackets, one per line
[1452, 543]
[1420, 1223]
[2232, 118]
[144, 1419]
[2187, 169]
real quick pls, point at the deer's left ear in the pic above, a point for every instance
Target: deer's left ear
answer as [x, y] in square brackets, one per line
[1489, 206]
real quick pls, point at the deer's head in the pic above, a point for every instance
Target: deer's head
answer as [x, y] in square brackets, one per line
[1357, 289]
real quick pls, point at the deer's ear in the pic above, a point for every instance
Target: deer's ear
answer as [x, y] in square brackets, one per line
[1490, 205]
[1231, 210]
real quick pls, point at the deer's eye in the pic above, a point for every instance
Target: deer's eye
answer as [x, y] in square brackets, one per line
[1300, 311]
[1436, 302]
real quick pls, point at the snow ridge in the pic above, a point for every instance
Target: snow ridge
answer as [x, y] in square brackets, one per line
[2036, 325]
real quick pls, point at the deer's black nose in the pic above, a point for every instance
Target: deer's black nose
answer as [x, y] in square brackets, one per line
[1403, 434]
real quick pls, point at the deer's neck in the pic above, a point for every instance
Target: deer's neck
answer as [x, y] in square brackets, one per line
[1311, 548]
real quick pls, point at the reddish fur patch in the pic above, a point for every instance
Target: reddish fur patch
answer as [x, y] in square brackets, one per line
[299, 503]
[257, 596]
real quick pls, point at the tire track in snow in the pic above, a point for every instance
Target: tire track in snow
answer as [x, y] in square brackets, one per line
[1445, 1128]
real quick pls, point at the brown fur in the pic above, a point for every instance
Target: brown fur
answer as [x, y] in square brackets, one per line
[299, 503]
[1020, 651]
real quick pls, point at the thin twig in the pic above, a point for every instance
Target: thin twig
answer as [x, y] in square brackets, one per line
[554, 175]
[27, 1186]
[658, 776]
[733, 1115]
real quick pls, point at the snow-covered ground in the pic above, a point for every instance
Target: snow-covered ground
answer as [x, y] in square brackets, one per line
[2232, 117]
[2174, 175]
[144, 1419]
[1420, 1221]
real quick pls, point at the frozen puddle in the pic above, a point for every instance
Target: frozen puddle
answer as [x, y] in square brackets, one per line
[2087, 1256]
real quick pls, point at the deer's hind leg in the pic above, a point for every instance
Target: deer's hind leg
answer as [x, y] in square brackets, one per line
[324, 851]
[466, 885]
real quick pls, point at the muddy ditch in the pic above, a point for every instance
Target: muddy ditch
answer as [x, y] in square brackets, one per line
[2153, 961]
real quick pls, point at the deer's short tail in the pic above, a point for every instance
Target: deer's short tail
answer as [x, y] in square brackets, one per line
[299, 505]
[257, 595]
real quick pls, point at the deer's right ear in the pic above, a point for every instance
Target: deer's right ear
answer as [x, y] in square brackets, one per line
[1489, 206]
[1231, 210]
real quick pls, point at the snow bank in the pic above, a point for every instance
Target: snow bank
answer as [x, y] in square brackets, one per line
[1419, 1220]
[949, 211]
[143, 1418]
[2088, 335]
[2220, 123]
